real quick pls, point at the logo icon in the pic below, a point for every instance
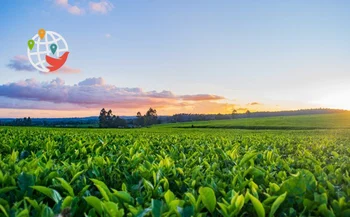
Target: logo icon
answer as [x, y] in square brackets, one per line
[47, 51]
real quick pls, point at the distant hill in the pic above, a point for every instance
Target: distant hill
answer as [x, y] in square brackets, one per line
[205, 117]
[292, 122]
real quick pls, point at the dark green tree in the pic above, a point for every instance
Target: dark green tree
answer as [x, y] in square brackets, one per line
[103, 118]
[140, 120]
[234, 113]
[248, 113]
[151, 117]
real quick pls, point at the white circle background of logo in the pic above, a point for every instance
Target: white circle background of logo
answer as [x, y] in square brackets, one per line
[55, 38]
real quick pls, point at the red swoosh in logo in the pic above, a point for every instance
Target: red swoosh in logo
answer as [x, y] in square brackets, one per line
[56, 63]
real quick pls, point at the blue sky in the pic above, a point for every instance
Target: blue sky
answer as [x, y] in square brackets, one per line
[281, 54]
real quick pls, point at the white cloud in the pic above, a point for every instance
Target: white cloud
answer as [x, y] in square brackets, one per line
[102, 7]
[21, 63]
[108, 35]
[73, 9]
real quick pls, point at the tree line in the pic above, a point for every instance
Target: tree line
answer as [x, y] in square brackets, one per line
[26, 121]
[108, 120]
[148, 119]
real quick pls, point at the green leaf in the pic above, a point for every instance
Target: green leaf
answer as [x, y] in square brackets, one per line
[33, 203]
[144, 212]
[294, 185]
[208, 198]
[175, 203]
[76, 176]
[247, 157]
[95, 203]
[257, 205]
[191, 198]
[299, 184]
[321, 198]
[47, 212]
[324, 211]
[157, 208]
[4, 210]
[148, 184]
[274, 187]
[25, 181]
[239, 203]
[67, 202]
[100, 183]
[7, 189]
[23, 213]
[66, 186]
[102, 187]
[124, 196]
[81, 193]
[51, 193]
[277, 203]
[112, 209]
[188, 211]
[169, 196]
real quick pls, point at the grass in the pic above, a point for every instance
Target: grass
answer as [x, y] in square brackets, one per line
[301, 122]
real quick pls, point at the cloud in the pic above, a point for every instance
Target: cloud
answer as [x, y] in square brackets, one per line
[108, 35]
[254, 103]
[92, 82]
[101, 7]
[20, 63]
[240, 110]
[202, 97]
[63, 70]
[209, 107]
[95, 93]
[73, 9]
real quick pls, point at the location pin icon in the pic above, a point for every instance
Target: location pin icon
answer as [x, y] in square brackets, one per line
[31, 44]
[53, 48]
[41, 33]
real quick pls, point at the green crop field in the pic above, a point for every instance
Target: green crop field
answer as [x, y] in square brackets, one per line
[324, 121]
[165, 171]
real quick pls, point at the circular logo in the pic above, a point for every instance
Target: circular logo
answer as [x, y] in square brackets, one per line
[47, 51]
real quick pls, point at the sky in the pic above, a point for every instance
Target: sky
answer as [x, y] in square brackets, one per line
[177, 56]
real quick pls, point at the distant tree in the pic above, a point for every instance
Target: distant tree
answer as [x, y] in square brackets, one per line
[234, 113]
[151, 113]
[119, 122]
[140, 120]
[108, 120]
[29, 121]
[103, 118]
[248, 113]
[22, 122]
[219, 117]
[151, 117]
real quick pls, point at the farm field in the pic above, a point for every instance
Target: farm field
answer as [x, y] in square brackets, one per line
[163, 171]
[298, 122]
